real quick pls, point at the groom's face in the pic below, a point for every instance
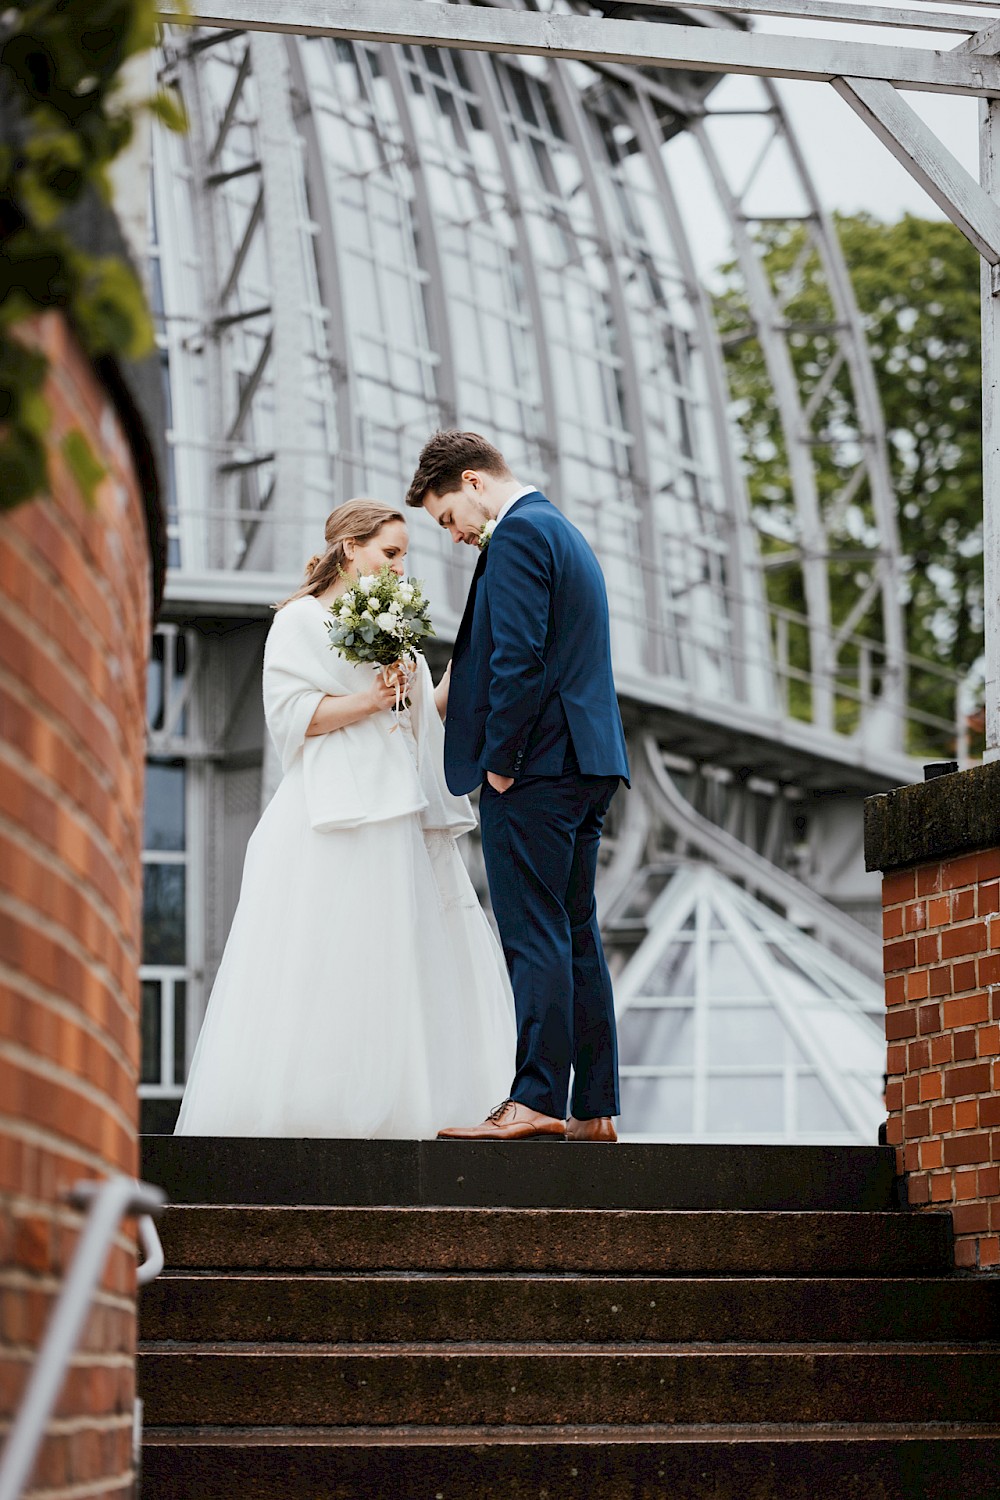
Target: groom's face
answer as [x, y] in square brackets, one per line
[461, 512]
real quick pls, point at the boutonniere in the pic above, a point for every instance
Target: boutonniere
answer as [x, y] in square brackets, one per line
[485, 532]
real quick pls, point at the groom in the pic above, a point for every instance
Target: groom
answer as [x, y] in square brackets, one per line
[533, 718]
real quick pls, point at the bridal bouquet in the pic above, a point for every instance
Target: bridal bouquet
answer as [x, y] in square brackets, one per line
[380, 619]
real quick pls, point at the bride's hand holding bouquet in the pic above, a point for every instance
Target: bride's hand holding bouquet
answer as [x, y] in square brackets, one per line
[381, 619]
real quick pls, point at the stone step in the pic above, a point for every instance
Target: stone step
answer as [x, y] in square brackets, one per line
[574, 1463]
[396, 1307]
[194, 1169]
[372, 1385]
[650, 1242]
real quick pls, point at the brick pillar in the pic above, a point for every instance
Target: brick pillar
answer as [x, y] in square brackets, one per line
[74, 633]
[938, 846]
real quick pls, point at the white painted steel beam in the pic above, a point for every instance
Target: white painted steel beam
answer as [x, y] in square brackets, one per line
[329, 274]
[283, 231]
[749, 609]
[836, 10]
[588, 38]
[875, 463]
[928, 161]
[989, 172]
[491, 104]
[984, 42]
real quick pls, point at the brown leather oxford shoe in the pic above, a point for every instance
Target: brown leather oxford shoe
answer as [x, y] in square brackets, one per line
[601, 1129]
[510, 1121]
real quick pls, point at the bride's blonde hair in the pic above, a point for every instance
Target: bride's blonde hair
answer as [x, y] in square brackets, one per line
[355, 520]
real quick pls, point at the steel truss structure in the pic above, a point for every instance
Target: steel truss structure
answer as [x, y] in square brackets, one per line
[357, 242]
[873, 78]
[440, 185]
[268, 380]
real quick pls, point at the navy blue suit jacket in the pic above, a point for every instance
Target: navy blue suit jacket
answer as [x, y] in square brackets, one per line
[531, 681]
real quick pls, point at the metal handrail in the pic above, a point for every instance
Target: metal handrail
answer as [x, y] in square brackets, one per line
[108, 1203]
[152, 1250]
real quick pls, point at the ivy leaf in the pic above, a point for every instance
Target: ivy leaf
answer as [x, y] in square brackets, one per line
[23, 467]
[84, 465]
[111, 310]
[34, 416]
[53, 174]
[22, 372]
[168, 107]
[142, 28]
[62, 61]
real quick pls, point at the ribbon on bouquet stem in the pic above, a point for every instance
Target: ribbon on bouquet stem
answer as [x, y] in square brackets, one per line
[397, 675]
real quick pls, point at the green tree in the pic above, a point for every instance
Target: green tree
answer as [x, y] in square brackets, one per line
[917, 286]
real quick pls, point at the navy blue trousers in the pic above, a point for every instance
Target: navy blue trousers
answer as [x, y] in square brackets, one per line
[540, 842]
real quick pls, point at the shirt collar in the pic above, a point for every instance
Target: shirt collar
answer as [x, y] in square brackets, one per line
[529, 489]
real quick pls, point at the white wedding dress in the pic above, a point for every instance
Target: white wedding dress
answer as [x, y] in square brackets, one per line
[362, 992]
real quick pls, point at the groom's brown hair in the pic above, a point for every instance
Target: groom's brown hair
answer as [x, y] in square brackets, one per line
[445, 457]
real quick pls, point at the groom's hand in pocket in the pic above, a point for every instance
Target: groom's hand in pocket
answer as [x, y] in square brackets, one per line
[499, 783]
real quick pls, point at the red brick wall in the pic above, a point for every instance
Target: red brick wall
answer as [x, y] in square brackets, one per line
[941, 923]
[74, 631]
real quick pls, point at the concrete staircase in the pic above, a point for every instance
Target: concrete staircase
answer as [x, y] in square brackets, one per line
[559, 1322]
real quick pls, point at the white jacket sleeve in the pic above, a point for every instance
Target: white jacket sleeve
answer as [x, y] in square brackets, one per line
[293, 684]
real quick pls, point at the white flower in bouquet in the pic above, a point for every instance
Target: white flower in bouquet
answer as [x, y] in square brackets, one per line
[485, 532]
[376, 622]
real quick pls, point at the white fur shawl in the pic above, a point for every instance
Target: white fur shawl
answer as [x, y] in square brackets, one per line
[363, 773]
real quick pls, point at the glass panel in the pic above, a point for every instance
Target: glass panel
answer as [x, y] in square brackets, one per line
[746, 1105]
[647, 893]
[180, 669]
[150, 1025]
[817, 1110]
[847, 1034]
[663, 1038]
[658, 1106]
[164, 808]
[752, 1034]
[728, 972]
[674, 974]
[155, 685]
[180, 1030]
[794, 966]
[163, 924]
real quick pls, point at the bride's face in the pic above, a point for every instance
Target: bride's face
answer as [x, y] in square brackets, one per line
[387, 548]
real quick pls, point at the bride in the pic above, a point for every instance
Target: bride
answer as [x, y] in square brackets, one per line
[361, 992]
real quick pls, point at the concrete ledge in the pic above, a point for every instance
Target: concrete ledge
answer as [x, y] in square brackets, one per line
[951, 815]
[277, 1171]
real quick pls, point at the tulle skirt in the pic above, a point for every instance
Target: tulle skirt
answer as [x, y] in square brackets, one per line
[361, 993]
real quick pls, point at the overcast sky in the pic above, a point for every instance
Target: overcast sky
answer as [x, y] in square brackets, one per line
[852, 170]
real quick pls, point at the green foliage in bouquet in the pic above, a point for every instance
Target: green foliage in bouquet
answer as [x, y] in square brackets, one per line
[380, 619]
[65, 119]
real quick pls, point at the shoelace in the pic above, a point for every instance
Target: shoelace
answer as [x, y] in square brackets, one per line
[496, 1115]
